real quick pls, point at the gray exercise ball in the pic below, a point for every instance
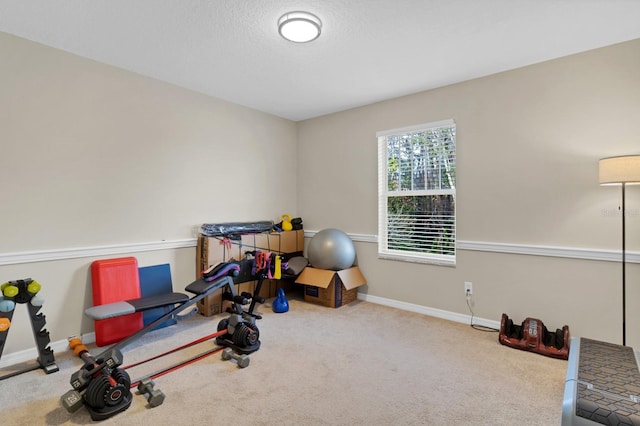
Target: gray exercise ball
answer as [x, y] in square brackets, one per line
[331, 249]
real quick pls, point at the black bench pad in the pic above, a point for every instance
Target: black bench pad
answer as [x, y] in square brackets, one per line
[158, 301]
[201, 286]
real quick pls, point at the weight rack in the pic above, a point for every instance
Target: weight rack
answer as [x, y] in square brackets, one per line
[24, 292]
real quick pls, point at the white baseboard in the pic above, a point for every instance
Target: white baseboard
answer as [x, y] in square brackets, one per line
[425, 310]
[32, 354]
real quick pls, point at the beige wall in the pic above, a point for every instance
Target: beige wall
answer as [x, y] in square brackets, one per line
[94, 156]
[528, 144]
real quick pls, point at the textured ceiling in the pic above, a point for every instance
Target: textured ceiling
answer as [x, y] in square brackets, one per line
[369, 50]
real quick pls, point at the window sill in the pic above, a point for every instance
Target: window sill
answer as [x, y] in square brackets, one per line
[431, 260]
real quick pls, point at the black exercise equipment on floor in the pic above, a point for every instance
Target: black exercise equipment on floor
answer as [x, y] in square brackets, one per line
[100, 385]
[111, 394]
[25, 292]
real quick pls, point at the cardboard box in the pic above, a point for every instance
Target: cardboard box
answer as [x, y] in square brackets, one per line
[212, 250]
[211, 304]
[331, 288]
[209, 252]
[287, 242]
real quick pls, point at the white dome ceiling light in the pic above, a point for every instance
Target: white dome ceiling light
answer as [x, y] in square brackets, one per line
[299, 27]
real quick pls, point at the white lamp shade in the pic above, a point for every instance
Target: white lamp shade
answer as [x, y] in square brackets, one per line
[617, 170]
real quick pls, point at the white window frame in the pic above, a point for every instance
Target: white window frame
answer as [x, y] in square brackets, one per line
[383, 194]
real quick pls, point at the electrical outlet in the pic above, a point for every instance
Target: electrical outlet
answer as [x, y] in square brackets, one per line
[468, 288]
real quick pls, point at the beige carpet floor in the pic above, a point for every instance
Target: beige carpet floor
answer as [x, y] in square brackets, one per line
[361, 364]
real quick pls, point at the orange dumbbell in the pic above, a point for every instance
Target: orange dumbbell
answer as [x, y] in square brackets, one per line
[4, 324]
[75, 344]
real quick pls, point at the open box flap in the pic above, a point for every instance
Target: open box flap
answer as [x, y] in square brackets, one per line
[352, 278]
[315, 277]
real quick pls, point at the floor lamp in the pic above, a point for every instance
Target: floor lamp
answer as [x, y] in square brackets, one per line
[621, 171]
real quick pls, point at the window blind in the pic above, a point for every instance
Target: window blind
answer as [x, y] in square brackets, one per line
[416, 185]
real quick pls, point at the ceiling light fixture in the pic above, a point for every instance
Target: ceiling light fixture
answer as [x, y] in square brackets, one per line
[299, 27]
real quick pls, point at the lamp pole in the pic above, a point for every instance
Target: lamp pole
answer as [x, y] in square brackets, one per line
[624, 273]
[621, 170]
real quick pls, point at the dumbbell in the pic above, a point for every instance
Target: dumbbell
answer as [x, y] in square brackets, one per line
[80, 379]
[155, 397]
[75, 344]
[14, 290]
[4, 324]
[33, 287]
[6, 305]
[9, 290]
[242, 360]
[37, 300]
[112, 358]
[72, 400]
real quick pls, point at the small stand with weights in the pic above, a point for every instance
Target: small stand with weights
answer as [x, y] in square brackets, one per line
[26, 292]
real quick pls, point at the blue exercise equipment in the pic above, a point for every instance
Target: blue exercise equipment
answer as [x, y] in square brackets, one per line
[280, 303]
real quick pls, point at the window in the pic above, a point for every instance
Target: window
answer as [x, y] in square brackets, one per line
[417, 193]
